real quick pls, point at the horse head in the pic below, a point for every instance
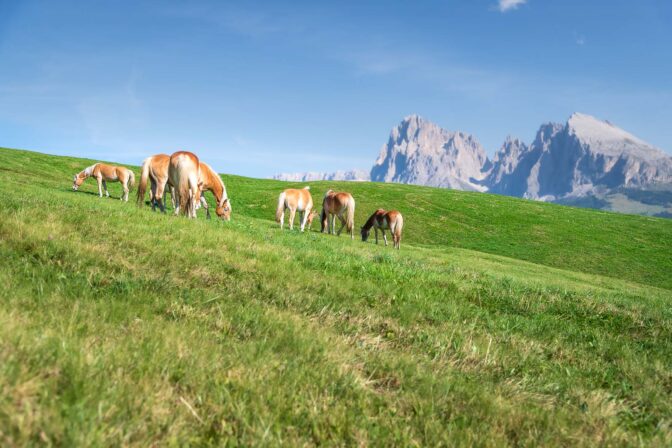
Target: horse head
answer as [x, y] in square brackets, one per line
[365, 233]
[312, 215]
[223, 210]
[77, 181]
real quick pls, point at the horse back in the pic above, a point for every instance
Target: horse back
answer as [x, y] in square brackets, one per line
[108, 172]
[298, 198]
[182, 165]
[394, 219]
[185, 154]
[335, 202]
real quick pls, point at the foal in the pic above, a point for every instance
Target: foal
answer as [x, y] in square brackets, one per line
[295, 200]
[341, 206]
[103, 173]
[383, 220]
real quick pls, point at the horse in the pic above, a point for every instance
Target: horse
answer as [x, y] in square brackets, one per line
[336, 205]
[392, 221]
[103, 172]
[155, 170]
[295, 200]
[183, 175]
[209, 180]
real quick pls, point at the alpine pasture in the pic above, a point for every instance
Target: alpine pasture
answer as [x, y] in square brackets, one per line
[499, 322]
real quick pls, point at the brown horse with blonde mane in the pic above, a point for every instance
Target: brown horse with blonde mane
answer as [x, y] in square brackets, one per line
[183, 175]
[338, 205]
[295, 200]
[209, 180]
[155, 170]
[392, 221]
[103, 173]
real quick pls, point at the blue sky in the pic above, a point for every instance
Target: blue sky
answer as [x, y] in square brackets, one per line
[258, 88]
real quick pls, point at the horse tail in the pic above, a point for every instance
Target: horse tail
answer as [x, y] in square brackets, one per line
[144, 176]
[323, 218]
[183, 192]
[131, 179]
[189, 193]
[398, 227]
[281, 207]
[350, 218]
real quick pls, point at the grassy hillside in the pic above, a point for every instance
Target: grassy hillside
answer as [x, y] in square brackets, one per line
[499, 322]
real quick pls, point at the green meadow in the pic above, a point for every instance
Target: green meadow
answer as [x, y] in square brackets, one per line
[500, 322]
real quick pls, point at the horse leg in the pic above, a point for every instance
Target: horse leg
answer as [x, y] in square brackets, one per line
[176, 209]
[342, 225]
[333, 224]
[173, 202]
[384, 236]
[159, 198]
[292, 214]
[282, 219]
[100, 187]
[375, 229]
[304, 218]
[152, 194]
[204, 204]
[124, 184]
[107, 193]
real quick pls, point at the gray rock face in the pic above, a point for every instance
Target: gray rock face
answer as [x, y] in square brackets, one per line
[420, 152]
[584, 156]
[352, 175]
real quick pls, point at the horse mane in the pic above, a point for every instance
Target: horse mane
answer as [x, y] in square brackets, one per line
[211, 173]
[372, 218]
[86, 172]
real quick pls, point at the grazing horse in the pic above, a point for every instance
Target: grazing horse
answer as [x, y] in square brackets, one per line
[103, 173]
[209, 180]
[155, 170]
[341, 206]
[295, 200]
[183, 175]
[392, 221]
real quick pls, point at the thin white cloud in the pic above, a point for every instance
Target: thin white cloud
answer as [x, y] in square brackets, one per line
[508, 5]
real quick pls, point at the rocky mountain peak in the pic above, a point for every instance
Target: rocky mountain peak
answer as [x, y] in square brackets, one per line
[601, 136]
[421, 152]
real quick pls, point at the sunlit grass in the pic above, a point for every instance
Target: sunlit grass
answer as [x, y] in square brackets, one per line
[495, 324]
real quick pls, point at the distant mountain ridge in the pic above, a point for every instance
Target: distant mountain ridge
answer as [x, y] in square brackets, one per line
[585, 157]
[351, 175]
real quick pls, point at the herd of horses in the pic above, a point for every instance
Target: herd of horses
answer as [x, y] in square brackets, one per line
[186, 178]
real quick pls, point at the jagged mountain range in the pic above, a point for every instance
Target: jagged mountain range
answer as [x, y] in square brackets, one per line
[585, 157]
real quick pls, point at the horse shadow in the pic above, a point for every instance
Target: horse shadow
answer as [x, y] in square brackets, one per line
[91, 193]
